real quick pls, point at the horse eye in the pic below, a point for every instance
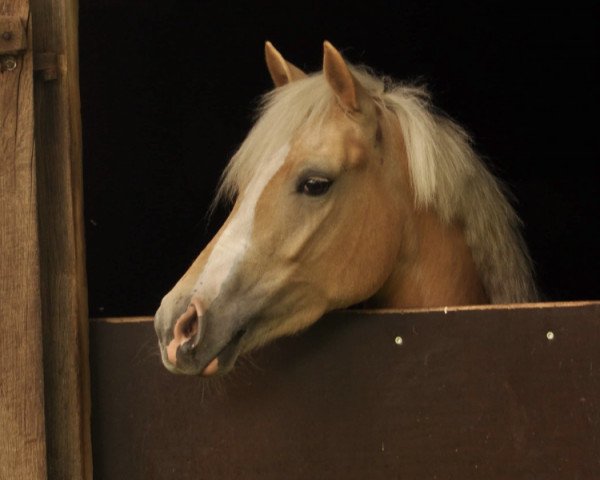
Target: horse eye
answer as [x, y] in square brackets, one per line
[314, 186]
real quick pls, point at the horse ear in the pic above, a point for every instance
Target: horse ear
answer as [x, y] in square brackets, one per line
[282, 72]
[339, 77]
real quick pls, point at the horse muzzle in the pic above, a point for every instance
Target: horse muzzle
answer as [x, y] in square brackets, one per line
[190, 350]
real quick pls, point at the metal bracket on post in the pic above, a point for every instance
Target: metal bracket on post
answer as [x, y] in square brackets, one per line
[13, 42]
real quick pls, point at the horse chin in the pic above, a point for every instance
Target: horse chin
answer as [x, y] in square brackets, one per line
[225, 360]
[253, 335]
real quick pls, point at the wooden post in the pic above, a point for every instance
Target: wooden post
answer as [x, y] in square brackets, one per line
[22, 439]
[61, 233]
[44, 398]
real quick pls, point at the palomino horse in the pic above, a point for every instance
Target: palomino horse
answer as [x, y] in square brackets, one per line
[347, 189]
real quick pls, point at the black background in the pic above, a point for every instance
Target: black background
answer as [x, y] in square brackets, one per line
[169, 89]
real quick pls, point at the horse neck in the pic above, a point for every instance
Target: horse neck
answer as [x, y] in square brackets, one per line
[434, 266]
[434, 269]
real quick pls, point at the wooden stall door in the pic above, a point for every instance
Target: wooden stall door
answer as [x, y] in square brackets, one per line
[502, 392]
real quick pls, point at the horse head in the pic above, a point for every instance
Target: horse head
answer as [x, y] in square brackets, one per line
[314, 226]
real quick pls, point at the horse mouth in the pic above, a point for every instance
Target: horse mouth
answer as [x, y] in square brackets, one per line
[225, 359]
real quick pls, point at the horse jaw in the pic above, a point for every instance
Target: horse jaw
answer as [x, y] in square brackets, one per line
[436, 268]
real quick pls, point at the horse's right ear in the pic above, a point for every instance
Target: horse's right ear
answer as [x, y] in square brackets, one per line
[347, 89]
[282, 72]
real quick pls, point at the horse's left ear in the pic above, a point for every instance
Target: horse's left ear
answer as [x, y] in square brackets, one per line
[282, 72]
[338, 75]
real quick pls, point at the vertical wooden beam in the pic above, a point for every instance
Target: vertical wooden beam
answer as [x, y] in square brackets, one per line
[62, 247]
[22, 436]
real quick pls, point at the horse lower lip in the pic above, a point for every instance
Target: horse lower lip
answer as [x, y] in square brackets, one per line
[225, 355]
[211, 368]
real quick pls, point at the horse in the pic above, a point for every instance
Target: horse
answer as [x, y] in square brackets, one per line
[349, 189]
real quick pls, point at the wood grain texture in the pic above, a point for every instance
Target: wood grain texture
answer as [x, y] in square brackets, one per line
[469, 394]
[62, 247]
[13, 37]
[22, 436]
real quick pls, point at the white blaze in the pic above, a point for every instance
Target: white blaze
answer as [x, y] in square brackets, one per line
[235, 239]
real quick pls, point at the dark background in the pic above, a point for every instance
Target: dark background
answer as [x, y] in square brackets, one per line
[169, 89]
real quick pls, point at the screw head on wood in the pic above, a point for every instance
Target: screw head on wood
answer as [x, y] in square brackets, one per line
[7, 35]
[8, 63]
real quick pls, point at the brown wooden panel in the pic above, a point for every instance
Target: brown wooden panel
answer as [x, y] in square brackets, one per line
[22, 442]
[62, 247]
[467, 394]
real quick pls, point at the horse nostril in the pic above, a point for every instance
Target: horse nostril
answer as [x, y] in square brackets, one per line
[186, 329]
[187, 325]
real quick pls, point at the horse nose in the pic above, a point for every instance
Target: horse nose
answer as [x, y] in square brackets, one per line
[187, 332]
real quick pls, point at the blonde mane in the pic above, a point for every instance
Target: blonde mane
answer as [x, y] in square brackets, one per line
[446, 173]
